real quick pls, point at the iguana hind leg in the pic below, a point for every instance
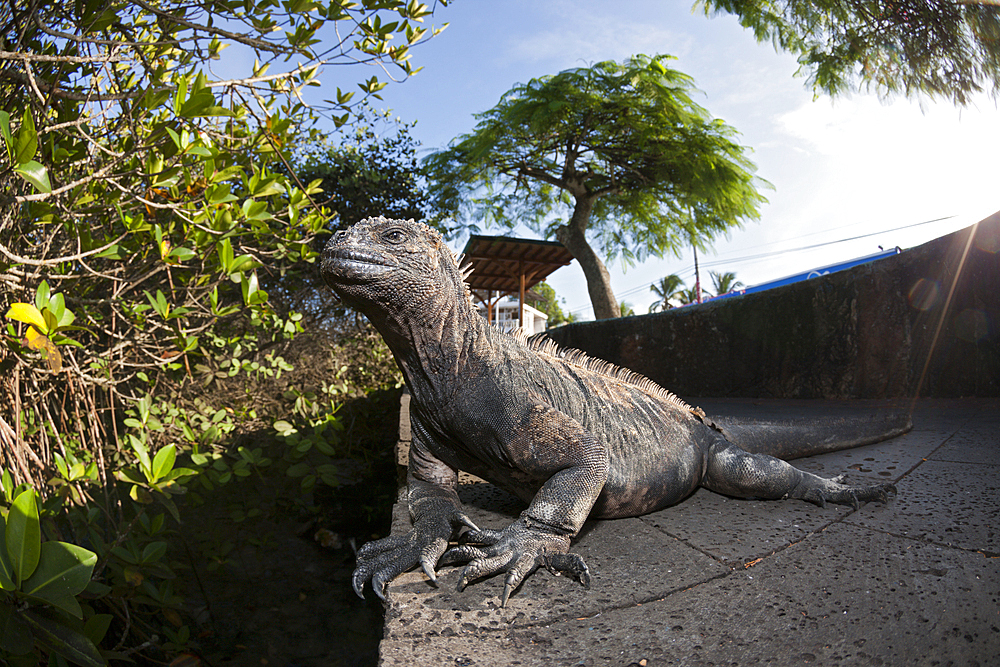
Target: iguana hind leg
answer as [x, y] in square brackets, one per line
[735, 472]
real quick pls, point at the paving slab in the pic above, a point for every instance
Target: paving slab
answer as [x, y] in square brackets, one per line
[719, 581]
[737, 531]
[630, 562]
[844, 596]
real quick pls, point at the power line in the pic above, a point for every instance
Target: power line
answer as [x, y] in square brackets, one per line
[687, 272]
[820, 245]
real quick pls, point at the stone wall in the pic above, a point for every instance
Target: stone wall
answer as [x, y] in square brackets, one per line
[926, 320]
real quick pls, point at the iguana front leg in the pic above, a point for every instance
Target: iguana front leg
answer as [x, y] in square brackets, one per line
[436, 512]
[550, 445]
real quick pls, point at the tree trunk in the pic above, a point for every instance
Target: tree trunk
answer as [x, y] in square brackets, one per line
[574, 237]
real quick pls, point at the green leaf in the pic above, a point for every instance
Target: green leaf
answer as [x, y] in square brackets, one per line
[130, 475]
[269, 186]
[163, 462]
[220, 194]
[64, 570]
[57, 305]
[140, 495]
[66, 603]
[51, 321]
[181, 254]
[153, 552]
[249, 287]
[43, 295]
[242, 263]
[169, 504]
[198, 104]
[61, 465]
[27, 140]
[283, 427]
[256, 210]
[142, 452]
[23, 535]
[96, 589]
[6, 566]
[213, 111]
[159, 303]
[8, 139]
[60, 638]
[225, 250]
[97, 626]
[125, 555]
[112, 252]
[298, 470]
[35, 174]
[15, 634]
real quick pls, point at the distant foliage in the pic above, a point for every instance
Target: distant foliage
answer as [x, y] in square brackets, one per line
[941, 48]
[723, 283]
[671, 291]
[667, 290]
[613, 160]
[550, 305]
[375, 172]
[366, 170]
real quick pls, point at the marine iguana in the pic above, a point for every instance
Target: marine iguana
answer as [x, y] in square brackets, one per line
[572, 436]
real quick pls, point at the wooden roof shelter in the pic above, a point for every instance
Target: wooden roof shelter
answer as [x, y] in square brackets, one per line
[508, 265]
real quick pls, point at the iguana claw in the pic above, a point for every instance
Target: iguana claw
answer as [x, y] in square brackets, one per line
[849, 495]
[572, 564]
[382, 560]
[517, 550]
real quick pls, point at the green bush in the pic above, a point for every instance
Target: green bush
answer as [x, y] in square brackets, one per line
[41, 584]
[145, 211]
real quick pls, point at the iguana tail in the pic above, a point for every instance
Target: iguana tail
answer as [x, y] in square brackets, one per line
[791, 440]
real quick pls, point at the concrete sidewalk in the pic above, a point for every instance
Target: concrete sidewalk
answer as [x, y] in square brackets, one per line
[718, 581]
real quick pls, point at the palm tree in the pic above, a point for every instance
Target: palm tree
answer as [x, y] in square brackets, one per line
[625, 309]
[724, 283]
[687, 296]
[667, 289]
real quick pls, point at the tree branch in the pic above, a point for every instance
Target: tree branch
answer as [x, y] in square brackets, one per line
[55, 91]
[49, 262]
[38, 57]
[100, 173]
[235, 36]
[542, 175]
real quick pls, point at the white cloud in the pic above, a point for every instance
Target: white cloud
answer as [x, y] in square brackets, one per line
[581, 39]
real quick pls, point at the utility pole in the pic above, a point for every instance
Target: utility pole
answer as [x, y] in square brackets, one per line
[697, 276]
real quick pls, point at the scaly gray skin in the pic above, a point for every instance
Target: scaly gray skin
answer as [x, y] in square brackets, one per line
[572, 436]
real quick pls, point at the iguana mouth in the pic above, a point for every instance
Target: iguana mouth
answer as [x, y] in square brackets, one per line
[344, 265]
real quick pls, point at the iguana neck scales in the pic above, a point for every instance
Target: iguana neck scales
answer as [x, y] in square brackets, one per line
[573, 436]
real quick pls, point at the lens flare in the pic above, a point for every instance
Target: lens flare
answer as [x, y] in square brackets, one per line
[924, 294]
[972, 325]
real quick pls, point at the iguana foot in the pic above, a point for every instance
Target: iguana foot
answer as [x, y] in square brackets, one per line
[835, 492]
[517, 550]
[383, 560]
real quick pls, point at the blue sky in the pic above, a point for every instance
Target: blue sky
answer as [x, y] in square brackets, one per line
[840, 168]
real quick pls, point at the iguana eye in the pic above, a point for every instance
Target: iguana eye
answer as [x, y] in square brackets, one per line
[394, 236]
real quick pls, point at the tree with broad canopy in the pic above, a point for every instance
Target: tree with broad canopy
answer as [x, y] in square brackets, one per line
[939, 48]
[621, 147]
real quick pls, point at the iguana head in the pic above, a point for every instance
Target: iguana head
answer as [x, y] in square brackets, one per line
[388, 267]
